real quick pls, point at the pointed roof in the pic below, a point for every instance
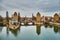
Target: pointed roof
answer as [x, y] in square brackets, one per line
[56, 14]
[38, 13]
[6, 11]
[15, 13]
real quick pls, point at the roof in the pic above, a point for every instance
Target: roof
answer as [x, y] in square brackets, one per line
[38, 13]
[56, 14]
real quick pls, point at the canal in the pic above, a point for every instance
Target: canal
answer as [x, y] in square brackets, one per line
[34, 32]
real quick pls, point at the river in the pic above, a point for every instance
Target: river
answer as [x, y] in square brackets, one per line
[33, 32]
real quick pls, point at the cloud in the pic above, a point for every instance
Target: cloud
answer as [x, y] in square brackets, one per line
[2, 7]
[42, 5]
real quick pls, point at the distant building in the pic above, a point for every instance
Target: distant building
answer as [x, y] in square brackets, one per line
[48, 18]
[56, 17]
[38, 17]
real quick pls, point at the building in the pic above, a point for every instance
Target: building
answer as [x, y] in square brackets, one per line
[33, 19]
[7, 17]
[15, 16]
[56, 17]
[38, 17]
[1, 21]
[19, 18]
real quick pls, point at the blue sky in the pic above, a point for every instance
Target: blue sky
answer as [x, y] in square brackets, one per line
[30, 6]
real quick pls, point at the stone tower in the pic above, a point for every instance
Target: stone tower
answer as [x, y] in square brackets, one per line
[56, 17]
[15, 16]
[38, 17]
[18, 17]
[7, 17]
[33, 19]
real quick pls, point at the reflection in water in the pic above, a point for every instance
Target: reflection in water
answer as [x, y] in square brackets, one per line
[14, 32]
[50, 26]
[55, 28]
[7, 31]
[46, 25]
[1, 29]
[59, 30]
[38, 29]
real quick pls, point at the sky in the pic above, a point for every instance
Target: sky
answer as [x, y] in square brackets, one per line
[27, 7]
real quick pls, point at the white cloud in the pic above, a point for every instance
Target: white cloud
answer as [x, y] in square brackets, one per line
[44, 5]
[30, 6]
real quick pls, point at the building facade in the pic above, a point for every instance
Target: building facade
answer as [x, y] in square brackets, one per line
[38, 17]
[56, 17]
[15, 16]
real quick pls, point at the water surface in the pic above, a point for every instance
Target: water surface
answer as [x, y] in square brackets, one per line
[35, 32]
